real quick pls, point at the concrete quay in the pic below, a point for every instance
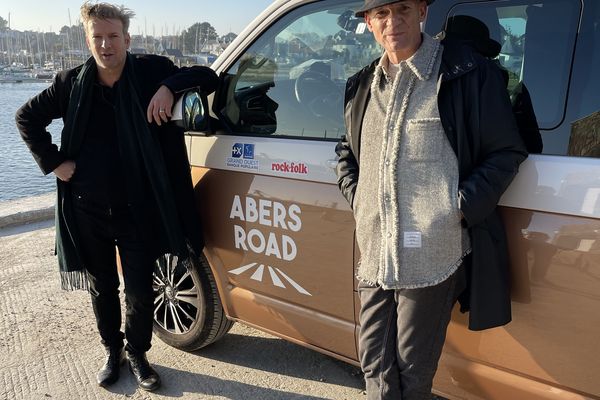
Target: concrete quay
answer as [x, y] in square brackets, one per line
[27, 210]
[50, 349]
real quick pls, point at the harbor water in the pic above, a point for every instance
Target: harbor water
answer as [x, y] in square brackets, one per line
[20, 176]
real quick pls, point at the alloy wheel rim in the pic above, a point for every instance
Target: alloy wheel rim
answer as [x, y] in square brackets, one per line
[176, 296]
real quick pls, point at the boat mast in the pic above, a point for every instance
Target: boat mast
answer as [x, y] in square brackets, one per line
[9, 43]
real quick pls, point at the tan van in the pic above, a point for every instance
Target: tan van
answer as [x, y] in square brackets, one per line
[280, 252]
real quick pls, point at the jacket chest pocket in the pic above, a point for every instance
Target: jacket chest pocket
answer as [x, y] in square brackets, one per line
[424, 140]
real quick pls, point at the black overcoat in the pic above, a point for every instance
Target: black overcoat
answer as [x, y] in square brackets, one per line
[477, 117]
[152, 71]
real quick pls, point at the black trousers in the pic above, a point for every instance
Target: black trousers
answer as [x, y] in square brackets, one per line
[100, 229]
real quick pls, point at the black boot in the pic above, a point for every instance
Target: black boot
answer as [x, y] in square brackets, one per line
[146, 376]
[109, 373]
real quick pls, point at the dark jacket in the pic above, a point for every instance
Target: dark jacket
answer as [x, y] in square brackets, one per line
[153, 71]
[476, 114]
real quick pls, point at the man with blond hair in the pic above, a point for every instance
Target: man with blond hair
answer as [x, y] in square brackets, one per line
[430, 146]
[123, 179]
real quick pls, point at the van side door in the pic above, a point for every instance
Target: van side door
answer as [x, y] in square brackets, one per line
[280, 236]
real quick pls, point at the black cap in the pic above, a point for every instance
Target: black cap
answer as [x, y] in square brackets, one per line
[369, 4]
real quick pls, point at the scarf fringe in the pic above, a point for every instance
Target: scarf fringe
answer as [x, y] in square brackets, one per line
[78, 280]
[74, 280]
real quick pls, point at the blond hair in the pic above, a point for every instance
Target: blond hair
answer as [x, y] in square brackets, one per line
[91, 11]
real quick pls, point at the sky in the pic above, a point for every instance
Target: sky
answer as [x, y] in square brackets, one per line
[153, 17]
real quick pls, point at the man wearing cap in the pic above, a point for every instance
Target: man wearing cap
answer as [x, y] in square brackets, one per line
[431, 145]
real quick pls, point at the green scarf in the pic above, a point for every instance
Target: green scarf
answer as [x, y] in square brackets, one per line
[142, 157]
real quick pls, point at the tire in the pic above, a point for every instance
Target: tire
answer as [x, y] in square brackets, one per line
[188, 314]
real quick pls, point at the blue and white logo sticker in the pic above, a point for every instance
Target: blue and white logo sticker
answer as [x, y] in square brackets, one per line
[242, 156]
[237, 150]
[249, 151]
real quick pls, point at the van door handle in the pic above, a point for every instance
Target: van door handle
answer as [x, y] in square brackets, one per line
[331, 163]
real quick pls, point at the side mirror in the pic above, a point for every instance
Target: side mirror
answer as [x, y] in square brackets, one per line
[195, 112]
[191, 112]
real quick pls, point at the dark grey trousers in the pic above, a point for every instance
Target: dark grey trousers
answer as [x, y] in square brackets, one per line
[401, 336]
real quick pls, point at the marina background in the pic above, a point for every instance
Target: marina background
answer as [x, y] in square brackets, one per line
[19, 174]
[37, 39]
[154, 18]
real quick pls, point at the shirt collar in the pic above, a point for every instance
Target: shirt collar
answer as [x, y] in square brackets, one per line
[421, 63]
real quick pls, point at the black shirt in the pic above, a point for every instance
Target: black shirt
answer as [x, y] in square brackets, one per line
[99, 174]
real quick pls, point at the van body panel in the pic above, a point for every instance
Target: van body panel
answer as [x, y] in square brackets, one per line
[270, 237]
[306, 292]
[555, 279]
[556, 184]
[304, 160]
[463, 379]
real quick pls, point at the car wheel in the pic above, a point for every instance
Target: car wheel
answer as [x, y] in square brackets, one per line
[188, 314]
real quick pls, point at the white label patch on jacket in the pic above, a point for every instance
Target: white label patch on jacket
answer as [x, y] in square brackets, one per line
[412, 239]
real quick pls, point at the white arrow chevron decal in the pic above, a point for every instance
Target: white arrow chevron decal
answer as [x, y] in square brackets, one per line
[274, 273]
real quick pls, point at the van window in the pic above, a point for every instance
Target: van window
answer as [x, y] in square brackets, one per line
[291, 81]
[538, 40]
[584, 96]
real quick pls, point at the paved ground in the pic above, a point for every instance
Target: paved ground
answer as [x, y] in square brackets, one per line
[49, 348]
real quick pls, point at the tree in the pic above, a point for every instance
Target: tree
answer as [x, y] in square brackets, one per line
[228, 38]
[197, 35]
[3, 24]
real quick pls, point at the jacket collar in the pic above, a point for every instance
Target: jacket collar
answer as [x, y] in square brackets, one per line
[457, 59]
